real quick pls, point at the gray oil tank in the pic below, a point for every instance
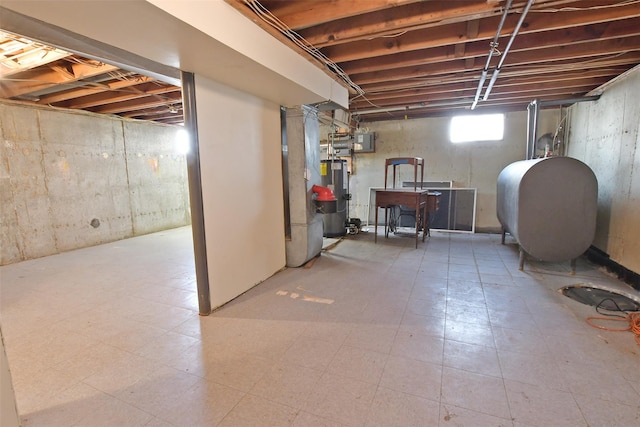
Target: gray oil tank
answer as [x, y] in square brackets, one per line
[549, 206]
[333, 174]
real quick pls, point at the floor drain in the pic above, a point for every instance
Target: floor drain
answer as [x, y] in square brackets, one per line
[603, 298]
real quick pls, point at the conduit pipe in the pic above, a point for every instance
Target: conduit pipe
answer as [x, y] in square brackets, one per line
[494, 77]
[413, 107]
[492, 48]
[568, 101]
[533, 110]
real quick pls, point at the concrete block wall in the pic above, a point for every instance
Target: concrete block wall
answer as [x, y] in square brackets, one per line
[74, 179]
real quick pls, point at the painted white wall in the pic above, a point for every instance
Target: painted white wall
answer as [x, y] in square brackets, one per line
[222, 22]
[605, 135]
[474, 165]
[241, 164]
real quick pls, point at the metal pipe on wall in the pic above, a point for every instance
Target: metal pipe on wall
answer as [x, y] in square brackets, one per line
[494, 77]
[532, 127]
[195, 193]
[491, 50]
[533, 111]
[568, 101]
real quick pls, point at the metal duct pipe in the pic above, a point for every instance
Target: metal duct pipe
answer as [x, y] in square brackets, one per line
[568, 101]
[412, 107]
[533, 111]
[494, 77]
[532, 127]
[492, 47]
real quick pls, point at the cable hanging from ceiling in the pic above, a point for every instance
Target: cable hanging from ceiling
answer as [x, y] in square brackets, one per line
[296, 38]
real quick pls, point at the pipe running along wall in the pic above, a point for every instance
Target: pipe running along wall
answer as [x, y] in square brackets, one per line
[533, 111]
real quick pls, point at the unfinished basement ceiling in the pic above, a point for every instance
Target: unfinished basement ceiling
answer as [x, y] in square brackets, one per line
[401, 58]
[40, 74]
[424, 58]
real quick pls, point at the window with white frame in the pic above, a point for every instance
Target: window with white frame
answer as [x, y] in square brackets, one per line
[477, 127]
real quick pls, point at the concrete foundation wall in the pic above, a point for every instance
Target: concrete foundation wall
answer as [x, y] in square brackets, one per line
[8, 410]
[474, 164]
[73, 179]
[605, 135]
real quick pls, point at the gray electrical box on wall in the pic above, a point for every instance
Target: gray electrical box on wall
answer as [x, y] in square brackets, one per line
[364, 143]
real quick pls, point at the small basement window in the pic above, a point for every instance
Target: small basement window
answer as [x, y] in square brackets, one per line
[478, 127]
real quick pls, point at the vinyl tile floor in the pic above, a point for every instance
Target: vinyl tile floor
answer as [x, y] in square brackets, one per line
[449, 334]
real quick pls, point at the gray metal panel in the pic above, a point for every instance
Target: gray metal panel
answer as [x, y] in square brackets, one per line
[303, 144]
[195, 194]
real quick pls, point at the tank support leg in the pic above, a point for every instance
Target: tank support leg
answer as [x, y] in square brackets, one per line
[573, 267]
[503, 234]
[521, 265]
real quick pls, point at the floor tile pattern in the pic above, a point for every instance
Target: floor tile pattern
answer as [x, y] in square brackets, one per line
[448, 334]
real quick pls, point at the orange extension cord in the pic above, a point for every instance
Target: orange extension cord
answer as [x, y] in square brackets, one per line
[632, 320]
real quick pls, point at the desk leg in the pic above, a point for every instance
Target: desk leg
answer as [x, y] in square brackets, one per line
[417, 211]
[375, 234]
[425, 221]
[386, 222]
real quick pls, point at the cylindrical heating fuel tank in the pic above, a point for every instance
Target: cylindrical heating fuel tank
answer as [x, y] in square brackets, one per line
[549, 206]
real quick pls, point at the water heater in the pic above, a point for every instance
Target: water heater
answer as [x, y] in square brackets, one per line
[333, 174]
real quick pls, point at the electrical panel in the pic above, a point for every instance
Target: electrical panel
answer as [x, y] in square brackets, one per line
[364, 143]
[335, 152]
[344, 144]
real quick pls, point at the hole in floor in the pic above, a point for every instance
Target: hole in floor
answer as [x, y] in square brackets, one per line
[606, 299]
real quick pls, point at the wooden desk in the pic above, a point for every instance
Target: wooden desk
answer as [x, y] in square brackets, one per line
[420, 199]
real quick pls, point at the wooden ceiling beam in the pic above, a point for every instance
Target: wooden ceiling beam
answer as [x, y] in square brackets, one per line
[132, 92]
[456, 33]
[599, 50]
[39, 79]
[395, 20]
[12, 64]
[157, 110]
[461, 90]
[158, 113]
[532, 90]
[418, 16]
[614, 66]
[444, 108]
[303, 14]
[532, 42]
[139, 103]
[92, 88]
